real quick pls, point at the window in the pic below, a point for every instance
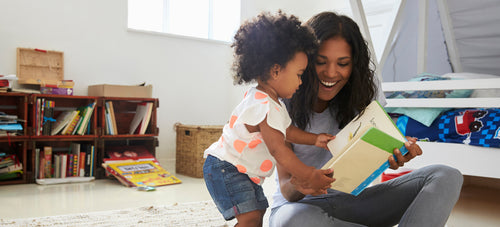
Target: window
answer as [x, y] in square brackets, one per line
[207, 19]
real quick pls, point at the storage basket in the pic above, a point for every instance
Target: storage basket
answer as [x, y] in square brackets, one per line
[192, 141]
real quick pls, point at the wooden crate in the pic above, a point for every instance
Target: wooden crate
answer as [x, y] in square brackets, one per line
[36, 66]
[192, 141]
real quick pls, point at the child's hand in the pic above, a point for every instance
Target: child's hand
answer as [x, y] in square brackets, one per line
[318, 180]
[323, 139]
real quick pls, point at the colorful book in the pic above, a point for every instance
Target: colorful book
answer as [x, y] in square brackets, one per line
[62, 120]
[361, 149]
[69, 171]
[142, 173]
[47, 151]
[71, 125]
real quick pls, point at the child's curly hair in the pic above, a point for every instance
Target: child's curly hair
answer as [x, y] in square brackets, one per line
[267, 40]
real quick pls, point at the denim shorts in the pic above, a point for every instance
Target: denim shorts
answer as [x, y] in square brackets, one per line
[233, 192]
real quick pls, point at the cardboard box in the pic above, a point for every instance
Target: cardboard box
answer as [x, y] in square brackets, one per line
[109, 90]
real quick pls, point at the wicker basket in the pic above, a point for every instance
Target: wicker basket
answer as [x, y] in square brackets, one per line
[192, 141]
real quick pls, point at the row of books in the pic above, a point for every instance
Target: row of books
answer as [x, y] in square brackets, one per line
[74, 161]
[135, 166]
[139, 123]
[10, 167]
[71, 122]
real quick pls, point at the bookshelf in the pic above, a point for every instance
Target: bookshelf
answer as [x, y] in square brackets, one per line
[33, 138]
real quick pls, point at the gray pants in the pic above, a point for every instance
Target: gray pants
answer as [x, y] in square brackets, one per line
[424, 197]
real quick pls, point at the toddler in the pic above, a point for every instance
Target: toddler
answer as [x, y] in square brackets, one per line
[273, 51]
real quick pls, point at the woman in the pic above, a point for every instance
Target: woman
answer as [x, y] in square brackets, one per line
[337, 86]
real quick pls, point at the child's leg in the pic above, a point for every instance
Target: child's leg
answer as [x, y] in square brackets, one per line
[250, 219]
[233, 192]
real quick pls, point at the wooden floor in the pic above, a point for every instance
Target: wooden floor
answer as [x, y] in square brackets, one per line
[479, 203]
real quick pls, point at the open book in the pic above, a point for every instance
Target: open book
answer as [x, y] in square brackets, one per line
[362, 148]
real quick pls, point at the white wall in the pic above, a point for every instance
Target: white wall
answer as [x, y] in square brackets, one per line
[190, 77]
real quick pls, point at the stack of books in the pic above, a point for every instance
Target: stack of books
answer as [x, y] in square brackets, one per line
[10, 167]
[135, 166]
[9, 125]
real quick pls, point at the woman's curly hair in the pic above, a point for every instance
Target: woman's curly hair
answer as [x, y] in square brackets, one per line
[268, 40]
[357, 93]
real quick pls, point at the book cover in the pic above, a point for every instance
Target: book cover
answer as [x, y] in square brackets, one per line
[142, 173]
[71, 125]
[62, 120]
[361, 149]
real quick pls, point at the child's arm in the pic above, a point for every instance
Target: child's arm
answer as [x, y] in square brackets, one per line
[275, 142]
[298, 136]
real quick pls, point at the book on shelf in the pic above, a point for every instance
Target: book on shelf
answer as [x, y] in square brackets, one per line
[75, 150]
[141, 118]
[88, 166]
[64, 165]
[48, 114]
[71, 125]
[47, 165]
[62, 121]
[141, 173]
[37, 163]
[86, 117]
[113, 117]
[361, 149]
[111, 127]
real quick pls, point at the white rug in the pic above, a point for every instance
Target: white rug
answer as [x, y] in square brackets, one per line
[202, 213]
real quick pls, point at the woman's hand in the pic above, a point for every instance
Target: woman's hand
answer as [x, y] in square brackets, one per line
[413, 151]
